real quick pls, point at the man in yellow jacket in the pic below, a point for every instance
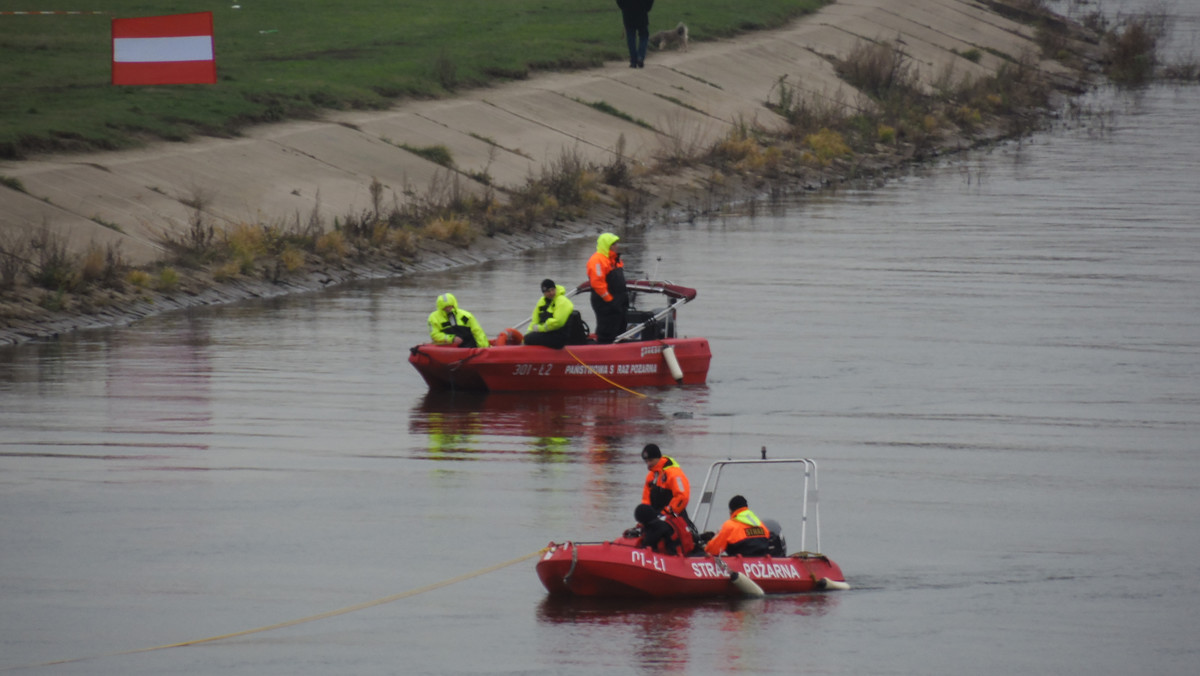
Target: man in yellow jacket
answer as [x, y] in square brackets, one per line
[550, 317]
[452, 325]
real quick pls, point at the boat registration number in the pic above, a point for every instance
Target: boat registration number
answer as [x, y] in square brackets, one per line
[639, 557]
[532, 369]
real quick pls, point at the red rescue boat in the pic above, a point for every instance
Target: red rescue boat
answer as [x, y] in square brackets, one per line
[619, 569]
[648, 354]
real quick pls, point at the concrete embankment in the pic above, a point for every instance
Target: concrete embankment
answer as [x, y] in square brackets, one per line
[298, 170]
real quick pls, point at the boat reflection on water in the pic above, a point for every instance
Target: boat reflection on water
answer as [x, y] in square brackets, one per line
[659, 630]
[596, 422]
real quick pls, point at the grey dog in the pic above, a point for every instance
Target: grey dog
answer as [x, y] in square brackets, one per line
[676, 37]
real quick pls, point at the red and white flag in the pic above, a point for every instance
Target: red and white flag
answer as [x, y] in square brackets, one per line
[158, 50]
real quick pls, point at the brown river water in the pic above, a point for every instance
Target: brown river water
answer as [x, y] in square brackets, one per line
[995, 362]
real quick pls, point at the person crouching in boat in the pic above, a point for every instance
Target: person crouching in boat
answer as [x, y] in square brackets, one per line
[665, 534]
[452, 325]
[551, 317]
[666, 489]
[744, 533]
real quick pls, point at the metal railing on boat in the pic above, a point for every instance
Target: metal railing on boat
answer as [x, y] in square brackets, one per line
[810, 473]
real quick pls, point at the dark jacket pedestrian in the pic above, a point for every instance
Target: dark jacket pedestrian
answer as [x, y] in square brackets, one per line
[636, 16]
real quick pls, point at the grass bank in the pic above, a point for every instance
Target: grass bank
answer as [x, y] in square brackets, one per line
[278, 60]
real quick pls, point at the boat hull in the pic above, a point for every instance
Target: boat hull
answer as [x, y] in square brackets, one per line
[518, 368]
[620, 570]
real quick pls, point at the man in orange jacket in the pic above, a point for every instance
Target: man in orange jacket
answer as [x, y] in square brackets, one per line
[744, 533]
[666, 489]
[610, 300]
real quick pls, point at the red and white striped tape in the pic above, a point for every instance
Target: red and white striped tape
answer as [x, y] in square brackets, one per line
[49, 11]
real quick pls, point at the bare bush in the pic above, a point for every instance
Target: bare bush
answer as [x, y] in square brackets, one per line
[881, 69]
[1131, 51]
[683, 141]
[566, 176]
[53, 267]
[14, 256]
[616, 173]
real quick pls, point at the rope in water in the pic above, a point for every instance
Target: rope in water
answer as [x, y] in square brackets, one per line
[597, 374]
[302, 620]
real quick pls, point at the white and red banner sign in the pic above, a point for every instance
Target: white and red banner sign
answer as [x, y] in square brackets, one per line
[159, 50]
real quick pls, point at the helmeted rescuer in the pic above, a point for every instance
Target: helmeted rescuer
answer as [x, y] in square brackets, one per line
[666, 489]
[610, 300]
[665, 534]
[452, 325]
[744, 533]
[550, 317]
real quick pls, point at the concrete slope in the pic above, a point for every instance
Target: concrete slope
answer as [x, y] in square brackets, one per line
[505, 134]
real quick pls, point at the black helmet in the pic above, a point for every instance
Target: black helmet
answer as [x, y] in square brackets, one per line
[644, 514]
[651, 452]
[737, 502]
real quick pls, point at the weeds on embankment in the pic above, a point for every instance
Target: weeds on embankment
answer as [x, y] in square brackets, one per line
[454, 210]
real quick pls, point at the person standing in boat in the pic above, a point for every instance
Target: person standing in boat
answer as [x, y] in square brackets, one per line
[452, 325]
[744, 533]
[667, 489]
[551, 317]
[610, 300]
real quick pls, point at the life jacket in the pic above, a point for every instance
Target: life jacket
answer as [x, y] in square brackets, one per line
[577, 329]
[685, 541]
[753, 539]
[744, 533]
[463, 330]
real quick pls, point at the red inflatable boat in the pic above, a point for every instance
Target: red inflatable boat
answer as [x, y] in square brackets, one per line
[618, 568]
[648, 354]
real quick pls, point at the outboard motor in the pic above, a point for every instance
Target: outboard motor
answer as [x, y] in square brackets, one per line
[776, 545]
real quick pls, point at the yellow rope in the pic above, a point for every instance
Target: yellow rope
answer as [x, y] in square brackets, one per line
[292, 623]
[597, 374]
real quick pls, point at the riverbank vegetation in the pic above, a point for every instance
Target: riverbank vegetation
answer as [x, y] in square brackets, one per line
[278, 63]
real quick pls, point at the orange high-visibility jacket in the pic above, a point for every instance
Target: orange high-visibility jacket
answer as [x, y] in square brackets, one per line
[741, 525]
[601, 263]
[667, 476]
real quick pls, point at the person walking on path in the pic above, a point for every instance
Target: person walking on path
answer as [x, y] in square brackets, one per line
[452, 325]
[610, 299]
[636, 16]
